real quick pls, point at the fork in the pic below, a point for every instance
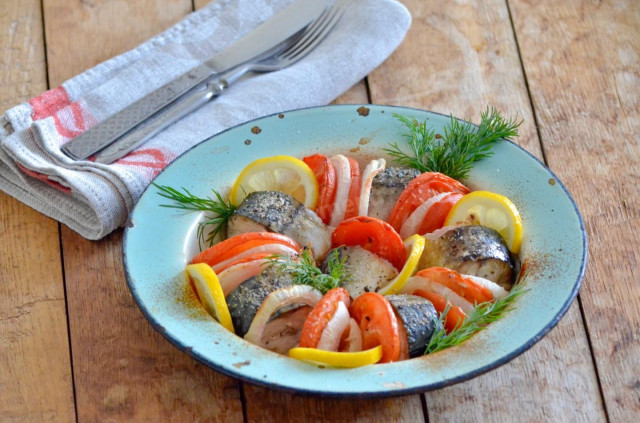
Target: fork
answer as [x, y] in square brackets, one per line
[299, 46]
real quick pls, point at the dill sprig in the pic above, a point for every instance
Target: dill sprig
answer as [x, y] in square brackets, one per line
[220, 209]
[454, 152]
[305, 272]
[478, 320]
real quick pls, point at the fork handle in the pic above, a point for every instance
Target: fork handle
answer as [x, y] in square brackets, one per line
[183, 106]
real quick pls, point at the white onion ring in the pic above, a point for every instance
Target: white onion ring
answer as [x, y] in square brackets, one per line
[413, 222]
[296, 294]
[233, 276]
[330, 338]
[497, 291]
[418, 282]
[373, 168]
[354, 339]
[343, 185]
[274, 248]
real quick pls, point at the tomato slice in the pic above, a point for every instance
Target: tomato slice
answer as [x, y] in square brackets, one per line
[438, 212]
[419, 190]
[326, 176]
[464, 287]
[374, 235]
[239, 243]
[379, 325]
[455, 316]
[318, 318]
[353, 203]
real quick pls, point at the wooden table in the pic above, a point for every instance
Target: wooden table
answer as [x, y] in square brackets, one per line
[75, 347]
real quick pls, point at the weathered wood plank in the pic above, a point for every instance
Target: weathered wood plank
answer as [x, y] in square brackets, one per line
[35, 375]
[123, 369]
[458, 58]
[582, 60]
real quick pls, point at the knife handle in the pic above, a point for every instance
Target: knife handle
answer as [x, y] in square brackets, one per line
[184, 105]
[106, 132]
[190, 102]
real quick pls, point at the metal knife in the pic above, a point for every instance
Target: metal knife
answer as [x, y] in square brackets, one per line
[262, 39]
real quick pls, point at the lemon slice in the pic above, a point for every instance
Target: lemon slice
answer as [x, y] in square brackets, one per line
[337, 359]
[414, 245]
[210, 293]
[492, 210]
[279, 173]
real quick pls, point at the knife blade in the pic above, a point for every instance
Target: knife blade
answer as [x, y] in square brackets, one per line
[263, 38]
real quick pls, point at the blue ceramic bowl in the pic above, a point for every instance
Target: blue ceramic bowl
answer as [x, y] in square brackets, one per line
[160, 241]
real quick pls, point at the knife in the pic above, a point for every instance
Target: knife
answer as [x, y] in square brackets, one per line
[265, 37]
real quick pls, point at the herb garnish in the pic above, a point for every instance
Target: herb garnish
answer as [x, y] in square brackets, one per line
[305, 272]
[478, 320]
[454, 152]
[221, 210]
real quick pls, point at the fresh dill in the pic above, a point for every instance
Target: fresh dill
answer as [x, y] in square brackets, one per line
[220, 209]
[305, 272]
[454, 152]
[478, 320]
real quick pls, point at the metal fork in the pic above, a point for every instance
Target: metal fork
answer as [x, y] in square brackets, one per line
[300, 46]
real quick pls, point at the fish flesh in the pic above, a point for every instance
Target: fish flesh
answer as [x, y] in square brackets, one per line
[276, 211]
[420, 320]
[471, 250]
[367, 271]
[386, 188]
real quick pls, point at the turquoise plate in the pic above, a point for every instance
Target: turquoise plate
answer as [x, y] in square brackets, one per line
[159, 242]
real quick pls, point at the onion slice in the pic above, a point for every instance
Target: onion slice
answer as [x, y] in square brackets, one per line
[373, 168]
[413, 222]
[272, 249]
[416, 283]
[497, 291]
[234, 275]
[296, 294]
[353, 339]
[343, 185]
[330, 338]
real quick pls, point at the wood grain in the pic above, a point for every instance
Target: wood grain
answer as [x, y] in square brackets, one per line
[35, 375]
[458, 58]
[123, 369]
[582, 60]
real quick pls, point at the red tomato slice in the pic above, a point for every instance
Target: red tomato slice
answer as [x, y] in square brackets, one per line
[455, 316]
[320, 315]
[464, 287]
[374, 235]
[419, 190]
[379, 325]
[438, 212]
[353, 202]
[326, 176]
[239, 243]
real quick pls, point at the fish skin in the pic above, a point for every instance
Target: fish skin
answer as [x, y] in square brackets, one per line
[471, 250]
[420, 320]
[244, 301]
[386, 188]
[279, 212]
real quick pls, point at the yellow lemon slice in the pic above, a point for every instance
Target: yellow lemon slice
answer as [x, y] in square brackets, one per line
[279, 173]
[414, 246]
[210, 293]
[337, 359]
[492, 210]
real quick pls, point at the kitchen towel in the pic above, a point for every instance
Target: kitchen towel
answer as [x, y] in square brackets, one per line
[94, 199]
